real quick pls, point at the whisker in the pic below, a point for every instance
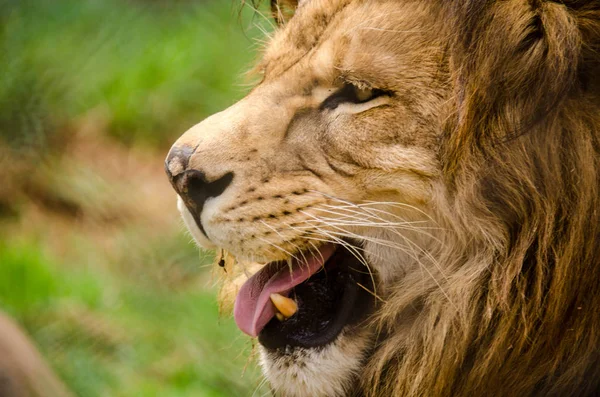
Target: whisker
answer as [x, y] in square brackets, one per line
[370, 212]
[354, 252]
[290, 255]
[397, 246]
[345, 207]
[400, 205]
[367, 214]
[392, 30]
[371, 292]
[426, 252]
[260, 385]
[349, 246]
[257, 11]
[262, 30]
[371, 203]
[381, 223]
[298, 250]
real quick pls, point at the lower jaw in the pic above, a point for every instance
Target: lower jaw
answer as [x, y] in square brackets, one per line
[333, 370]
[337, 298]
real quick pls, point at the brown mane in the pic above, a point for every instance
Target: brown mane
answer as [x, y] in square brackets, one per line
[517, 313]
[521, 160]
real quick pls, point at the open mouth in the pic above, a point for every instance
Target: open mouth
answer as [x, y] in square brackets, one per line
[308, 301]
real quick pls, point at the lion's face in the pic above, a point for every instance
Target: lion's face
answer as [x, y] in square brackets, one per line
[420, 180]
[331, 161]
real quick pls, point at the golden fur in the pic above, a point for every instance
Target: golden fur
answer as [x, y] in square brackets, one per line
[473, 183]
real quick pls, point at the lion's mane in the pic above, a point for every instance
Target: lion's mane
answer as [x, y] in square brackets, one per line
[518, 312]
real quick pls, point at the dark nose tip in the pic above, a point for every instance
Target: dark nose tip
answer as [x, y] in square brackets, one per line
[191, 184]
[177, 161]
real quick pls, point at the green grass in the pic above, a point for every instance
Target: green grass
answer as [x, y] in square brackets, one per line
[148, 69]
[107, 334]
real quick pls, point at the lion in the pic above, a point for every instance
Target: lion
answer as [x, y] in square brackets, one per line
[420, 182]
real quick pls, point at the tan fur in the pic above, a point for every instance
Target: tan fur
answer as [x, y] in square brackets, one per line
[474, 188]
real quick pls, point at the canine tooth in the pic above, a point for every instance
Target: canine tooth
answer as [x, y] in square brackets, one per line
[280, 316]
[286, 306]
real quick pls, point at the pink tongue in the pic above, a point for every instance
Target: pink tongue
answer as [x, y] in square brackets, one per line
[253, 308]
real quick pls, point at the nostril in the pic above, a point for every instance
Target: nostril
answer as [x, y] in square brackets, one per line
[194, 189]
[199, 189]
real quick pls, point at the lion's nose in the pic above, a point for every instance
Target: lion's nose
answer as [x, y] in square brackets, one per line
[192, 185]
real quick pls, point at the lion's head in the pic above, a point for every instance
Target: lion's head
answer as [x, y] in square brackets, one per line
[422, 178]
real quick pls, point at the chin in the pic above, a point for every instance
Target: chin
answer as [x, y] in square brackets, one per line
[329, 370]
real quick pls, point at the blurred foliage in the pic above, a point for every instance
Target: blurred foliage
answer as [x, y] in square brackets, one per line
[93, 260]
[151, 69]
[114, 336]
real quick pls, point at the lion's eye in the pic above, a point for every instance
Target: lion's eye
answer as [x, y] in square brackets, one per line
[350, 93]
[363, 94]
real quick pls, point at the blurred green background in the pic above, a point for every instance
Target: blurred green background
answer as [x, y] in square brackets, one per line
[94, 261]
